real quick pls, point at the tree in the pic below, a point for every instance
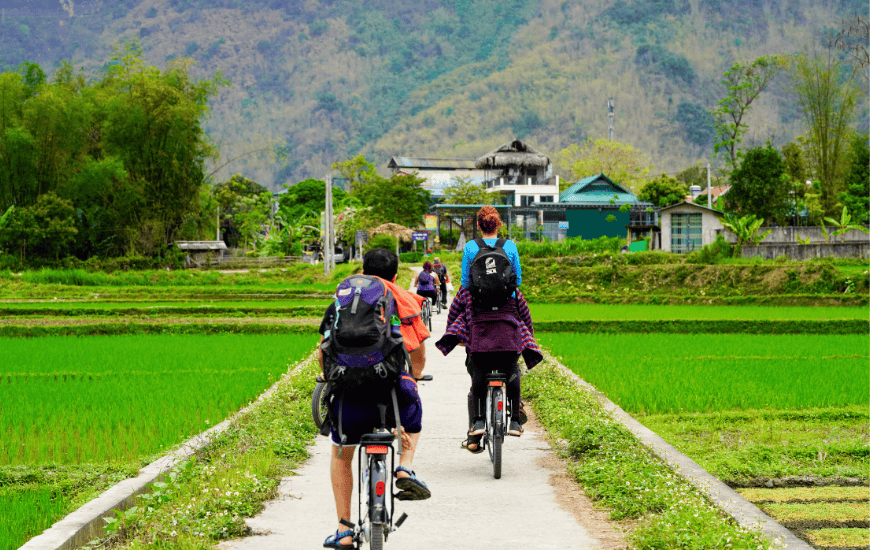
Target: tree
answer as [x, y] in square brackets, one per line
[399, 199]
[308, 198]
[663, 191]
[857, 194]
[828, 103]
[844, 225]
[358, 171]
[465, 192]
[759, 186]
[853, 39]
[244, 208]
[795, 167]
[44, 230]
[619, 162]
[744, 82]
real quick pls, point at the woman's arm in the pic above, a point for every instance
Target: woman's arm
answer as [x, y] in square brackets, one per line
[417, 276]
[514, 256]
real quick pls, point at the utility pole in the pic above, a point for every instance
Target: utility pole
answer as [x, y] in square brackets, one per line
[331, 226]
[327, 219]
[709, 192]
[610, 116]
[217, 233]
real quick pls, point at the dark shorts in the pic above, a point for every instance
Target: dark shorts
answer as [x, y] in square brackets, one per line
[359, 412]
[431, 294]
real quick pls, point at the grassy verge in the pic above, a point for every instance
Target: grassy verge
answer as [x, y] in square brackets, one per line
[206, 499]
[232, 326]
[619, 473]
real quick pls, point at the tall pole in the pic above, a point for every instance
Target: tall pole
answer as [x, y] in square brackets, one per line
[610, 116]
[327, 220]
[217, 233]
[709, 193]
[331, 227]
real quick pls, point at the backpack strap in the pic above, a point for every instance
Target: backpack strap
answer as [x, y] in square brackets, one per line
[341, 437]
[500, 243]
[481, 244]
[397, 417]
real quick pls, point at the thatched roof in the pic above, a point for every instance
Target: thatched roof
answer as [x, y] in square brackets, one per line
[513, 153]
[393, 230]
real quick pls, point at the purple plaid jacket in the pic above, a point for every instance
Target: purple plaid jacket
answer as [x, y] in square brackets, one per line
[459, 328]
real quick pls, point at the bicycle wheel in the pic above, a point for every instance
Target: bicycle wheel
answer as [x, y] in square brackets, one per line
[377, 538]
[429, 314]
[319, 404]
[496, 435]
[438, 304]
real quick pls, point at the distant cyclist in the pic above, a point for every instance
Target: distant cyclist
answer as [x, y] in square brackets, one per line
[426, 282]
[494, 330]
[441, 270]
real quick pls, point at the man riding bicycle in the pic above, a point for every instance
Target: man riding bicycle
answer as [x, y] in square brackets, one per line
[441, 270]
[357, 408]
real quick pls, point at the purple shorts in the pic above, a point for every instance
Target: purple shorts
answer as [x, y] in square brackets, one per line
[359, 411]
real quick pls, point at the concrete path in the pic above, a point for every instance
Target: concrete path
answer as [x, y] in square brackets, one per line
[468, 508]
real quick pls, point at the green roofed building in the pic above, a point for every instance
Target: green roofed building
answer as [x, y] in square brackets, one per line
[592, 209]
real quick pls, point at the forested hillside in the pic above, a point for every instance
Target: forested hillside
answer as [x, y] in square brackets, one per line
[328, 79]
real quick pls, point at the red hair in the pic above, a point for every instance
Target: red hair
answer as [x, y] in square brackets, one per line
[488, 219]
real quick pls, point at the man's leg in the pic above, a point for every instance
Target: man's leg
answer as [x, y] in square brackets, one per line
[409, 446]
[341, 473]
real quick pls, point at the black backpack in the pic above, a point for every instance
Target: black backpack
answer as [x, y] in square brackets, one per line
[492, 280]
[364, 345]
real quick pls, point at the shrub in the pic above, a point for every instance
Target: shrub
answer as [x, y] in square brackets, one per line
[381, 241]
[712, 253]
[411, 257]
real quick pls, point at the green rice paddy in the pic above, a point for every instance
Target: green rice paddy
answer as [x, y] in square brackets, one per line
[670, 373]
[96, 399]
[620, 312]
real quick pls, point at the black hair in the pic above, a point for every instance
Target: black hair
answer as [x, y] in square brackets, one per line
[381, 262]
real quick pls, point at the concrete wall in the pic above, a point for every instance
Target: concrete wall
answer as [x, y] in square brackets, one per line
[783, 235]
[807, 251]
[711, 224]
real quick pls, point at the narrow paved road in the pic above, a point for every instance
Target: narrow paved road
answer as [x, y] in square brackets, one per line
[468, 508]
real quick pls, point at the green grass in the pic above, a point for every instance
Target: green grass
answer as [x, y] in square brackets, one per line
[620, 312]
[789, 512]
[619, 473]
[839, 538]
[25, 514]
[827, 494]
[671, 373]
[12, 308]
[74, 400]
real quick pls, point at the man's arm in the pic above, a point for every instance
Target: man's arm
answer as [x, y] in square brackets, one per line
[320, 354]
[418, 361]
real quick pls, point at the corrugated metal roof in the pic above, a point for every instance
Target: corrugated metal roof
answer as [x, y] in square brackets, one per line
[430, 164]
[582, 193]
[201, 245]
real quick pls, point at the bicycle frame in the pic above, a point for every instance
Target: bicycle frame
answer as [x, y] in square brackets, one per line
[376, 482]
[496, 380]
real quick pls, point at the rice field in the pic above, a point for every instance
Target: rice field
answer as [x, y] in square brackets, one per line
[669, 373]
[97, 399]
[7, 308]
[560, 312]
[24, 514]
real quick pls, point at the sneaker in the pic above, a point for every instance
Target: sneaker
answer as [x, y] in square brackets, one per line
[515, 429]
[478, 428]
[523, 416]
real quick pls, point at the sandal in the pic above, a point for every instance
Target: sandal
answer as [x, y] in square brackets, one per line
[411, 487]
[472, 441]
[332, 541]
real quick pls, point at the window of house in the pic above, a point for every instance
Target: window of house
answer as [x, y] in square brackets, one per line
[527, 200]
[546, 198]
[685, 232]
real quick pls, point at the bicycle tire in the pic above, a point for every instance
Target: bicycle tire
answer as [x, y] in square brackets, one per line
[377, 537]
[429, 314]
[497, 437]
[319, 405]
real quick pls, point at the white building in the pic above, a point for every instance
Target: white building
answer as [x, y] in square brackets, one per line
[687, 227]
[520, 174]
[439, 174]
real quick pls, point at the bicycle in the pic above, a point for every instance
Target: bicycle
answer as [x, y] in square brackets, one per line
[497, 419]
[426, 313]
[438, 301]
[376, 518]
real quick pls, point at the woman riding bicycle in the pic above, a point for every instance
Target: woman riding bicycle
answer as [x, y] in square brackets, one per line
[426, 282]
[493, 339]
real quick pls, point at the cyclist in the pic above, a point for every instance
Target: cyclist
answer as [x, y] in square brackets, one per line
[359, 412]
[441, 270]
[426, 281]
[493, 340]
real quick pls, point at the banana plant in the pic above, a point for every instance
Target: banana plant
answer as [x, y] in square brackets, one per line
[844, 225]
[745, 228]
[5, 216]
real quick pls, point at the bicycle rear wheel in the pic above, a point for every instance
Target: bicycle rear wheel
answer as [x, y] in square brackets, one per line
[496, 435]
[319, 404]
[377, 537]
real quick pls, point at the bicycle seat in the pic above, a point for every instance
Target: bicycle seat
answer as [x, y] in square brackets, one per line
[380, 438]
[496, 376]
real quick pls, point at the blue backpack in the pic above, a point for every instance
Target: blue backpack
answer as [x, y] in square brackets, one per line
[425, 281]
[364, 345]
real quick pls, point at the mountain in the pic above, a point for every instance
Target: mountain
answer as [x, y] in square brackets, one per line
[322, 80]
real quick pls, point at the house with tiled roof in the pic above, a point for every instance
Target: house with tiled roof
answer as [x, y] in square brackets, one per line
[438, 174]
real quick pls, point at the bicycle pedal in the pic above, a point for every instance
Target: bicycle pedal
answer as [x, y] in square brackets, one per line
[401, 520]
